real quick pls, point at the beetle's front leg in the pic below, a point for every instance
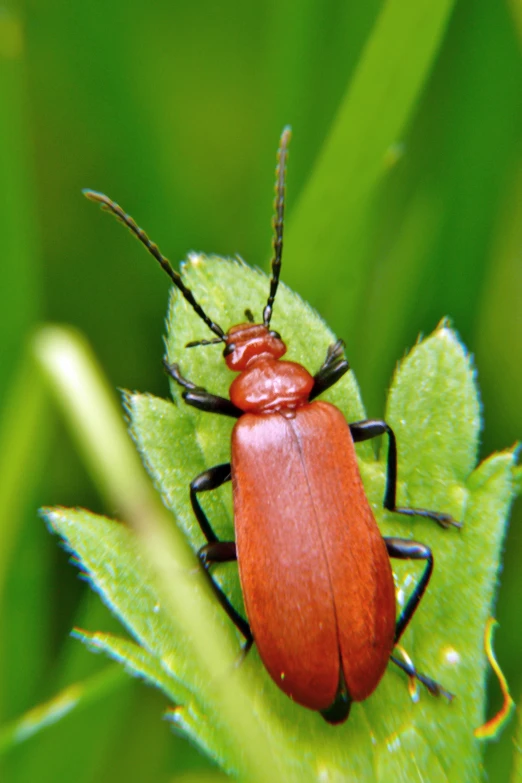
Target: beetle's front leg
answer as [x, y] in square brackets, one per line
[405, 549]
[199, 397]
[332, 369]
[216, 551]
[372, 428]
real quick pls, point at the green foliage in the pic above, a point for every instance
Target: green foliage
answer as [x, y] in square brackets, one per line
[405, 185]
[517, 765]
[434, 409]
[72, 698]
[363, 144]
[518, 480]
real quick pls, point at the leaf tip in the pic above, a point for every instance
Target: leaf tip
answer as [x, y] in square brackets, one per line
[444, 323]
[51, 516]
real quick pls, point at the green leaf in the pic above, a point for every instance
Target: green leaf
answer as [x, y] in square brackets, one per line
[434, 408]
[72, 697]
[110, 555]
[518, 480]
[179, 587]
[516, 775]
[111, 559]
[136, 660]
[24, 433]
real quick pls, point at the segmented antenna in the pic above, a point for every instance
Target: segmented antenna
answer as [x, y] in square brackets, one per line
[279, 209]
[115, 209]
[197, 343]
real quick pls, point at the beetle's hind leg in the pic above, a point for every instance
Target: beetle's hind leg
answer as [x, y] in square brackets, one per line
[405, 549]
[332, 369]
[372, 428]
[435, 688]
[216, 551]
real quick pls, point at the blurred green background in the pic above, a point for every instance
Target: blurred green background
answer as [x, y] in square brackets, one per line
[175, 110]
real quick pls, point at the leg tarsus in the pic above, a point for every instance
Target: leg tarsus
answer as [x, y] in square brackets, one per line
[175, 373]
[442, 519]
[199, 397]
[433, 687]
[372, 428]
[332, 369]
[334, 352]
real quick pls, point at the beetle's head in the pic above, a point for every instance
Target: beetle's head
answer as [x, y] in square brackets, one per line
[246, 342]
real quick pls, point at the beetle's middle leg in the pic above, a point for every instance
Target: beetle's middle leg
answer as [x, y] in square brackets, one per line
[372, 428]
[216, 551]
[405, 549]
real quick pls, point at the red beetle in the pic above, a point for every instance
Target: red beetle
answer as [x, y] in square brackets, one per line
[314, 569]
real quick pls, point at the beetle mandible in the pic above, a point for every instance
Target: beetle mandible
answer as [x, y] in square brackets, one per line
[314, 569]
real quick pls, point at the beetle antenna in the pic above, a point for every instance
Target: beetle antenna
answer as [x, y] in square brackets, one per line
[196, 343]
[278, 221]
[111, 206]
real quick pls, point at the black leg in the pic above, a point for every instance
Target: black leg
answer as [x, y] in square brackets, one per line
[372, 428]
[225, 552]
[200, 398]
[435, 688]
[333, 368]
[209, 479]
[216, 551]
[405, 549]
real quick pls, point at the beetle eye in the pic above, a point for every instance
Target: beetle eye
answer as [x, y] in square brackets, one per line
[229, 349]
[276, 335]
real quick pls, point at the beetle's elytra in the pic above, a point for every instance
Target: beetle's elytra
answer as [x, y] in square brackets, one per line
[314, 569]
